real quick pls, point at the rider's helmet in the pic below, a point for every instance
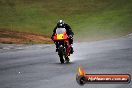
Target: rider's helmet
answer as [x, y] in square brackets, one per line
[60, 23]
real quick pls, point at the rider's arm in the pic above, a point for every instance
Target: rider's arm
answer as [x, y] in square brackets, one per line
[71, 32]
[69, 29]
[54, 31]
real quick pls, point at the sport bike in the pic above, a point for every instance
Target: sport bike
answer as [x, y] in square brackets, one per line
[64, 48]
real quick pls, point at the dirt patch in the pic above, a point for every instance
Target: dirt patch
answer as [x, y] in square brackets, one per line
[8, 36]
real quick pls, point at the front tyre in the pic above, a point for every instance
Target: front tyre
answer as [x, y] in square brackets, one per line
[61, 58]
[60, 53]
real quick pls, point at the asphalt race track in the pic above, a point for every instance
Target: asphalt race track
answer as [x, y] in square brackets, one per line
[38, 66]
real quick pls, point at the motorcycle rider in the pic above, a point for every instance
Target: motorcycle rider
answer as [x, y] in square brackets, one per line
[62, 24]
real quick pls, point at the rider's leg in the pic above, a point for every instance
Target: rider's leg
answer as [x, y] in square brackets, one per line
[71, 43]
[56, 43]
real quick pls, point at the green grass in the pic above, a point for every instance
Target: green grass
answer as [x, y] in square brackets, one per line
[89, 19]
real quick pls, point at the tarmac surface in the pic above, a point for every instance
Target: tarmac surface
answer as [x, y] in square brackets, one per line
[38, 66]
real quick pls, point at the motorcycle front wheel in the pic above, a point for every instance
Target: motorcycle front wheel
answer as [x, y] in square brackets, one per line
[60, 53]
[61, 58]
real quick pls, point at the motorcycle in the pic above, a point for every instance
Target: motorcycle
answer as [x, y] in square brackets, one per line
[64, 48]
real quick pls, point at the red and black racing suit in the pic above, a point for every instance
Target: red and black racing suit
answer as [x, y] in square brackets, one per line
[68, 31]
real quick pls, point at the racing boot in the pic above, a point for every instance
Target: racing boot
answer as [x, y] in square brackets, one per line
[56, 49]
[72, 49]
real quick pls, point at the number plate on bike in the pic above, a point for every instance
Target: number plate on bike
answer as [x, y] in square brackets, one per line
[60, 36]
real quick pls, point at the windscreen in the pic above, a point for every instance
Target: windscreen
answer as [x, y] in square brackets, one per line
[60, 30]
